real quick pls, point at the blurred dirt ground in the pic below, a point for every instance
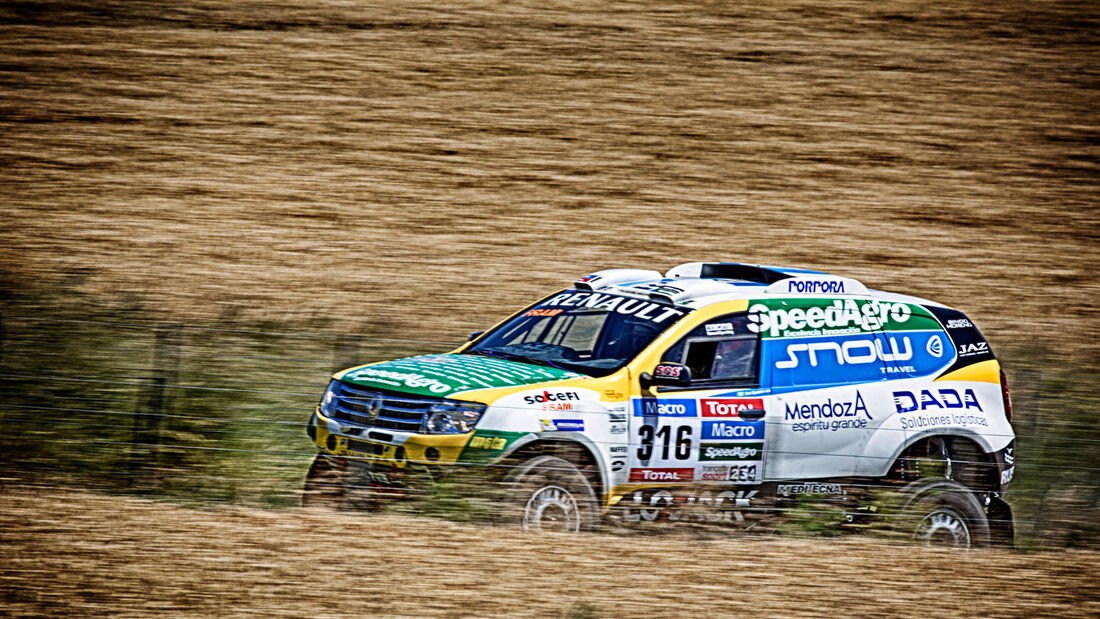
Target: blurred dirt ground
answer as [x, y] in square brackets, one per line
[66, 554]
[419, 169]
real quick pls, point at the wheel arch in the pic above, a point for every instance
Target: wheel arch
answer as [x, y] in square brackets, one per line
[579, 450]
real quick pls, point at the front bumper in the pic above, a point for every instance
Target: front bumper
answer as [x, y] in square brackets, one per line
[384, 446]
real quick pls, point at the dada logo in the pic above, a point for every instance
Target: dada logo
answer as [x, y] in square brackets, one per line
[907, 401]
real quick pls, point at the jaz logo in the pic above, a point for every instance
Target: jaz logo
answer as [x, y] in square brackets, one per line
[730, 407]
[971, 350]
[908, 402]
[684, 474]
[850, 352]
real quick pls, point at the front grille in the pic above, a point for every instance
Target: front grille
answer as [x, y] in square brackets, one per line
[398, 411]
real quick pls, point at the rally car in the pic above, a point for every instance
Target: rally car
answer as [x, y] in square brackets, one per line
[717, 392]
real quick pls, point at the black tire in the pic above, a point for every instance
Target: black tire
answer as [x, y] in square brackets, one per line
[549, 494]
[945, 514]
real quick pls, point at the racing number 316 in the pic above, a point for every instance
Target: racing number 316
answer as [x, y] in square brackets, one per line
[649, 435]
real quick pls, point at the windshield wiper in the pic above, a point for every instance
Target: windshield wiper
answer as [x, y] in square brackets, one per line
[508, 356]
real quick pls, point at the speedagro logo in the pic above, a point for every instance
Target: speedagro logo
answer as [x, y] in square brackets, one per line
[842, 316]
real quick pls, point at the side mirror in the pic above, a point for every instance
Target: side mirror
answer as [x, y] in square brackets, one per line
[474, 336]
[666, 375]
[751, 414]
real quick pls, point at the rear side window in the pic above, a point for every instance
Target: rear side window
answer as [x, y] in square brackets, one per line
[720, 351]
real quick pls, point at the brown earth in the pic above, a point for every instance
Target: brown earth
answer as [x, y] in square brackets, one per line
[64, 554]
[363, 165]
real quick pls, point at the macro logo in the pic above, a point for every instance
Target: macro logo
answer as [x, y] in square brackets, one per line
[664, 407]
[729, 407]
[726, 430]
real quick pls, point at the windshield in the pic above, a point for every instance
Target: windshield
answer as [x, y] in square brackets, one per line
[589, 332]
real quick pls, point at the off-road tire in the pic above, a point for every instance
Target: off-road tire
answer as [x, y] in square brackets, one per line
[942, 513]
[549, 494]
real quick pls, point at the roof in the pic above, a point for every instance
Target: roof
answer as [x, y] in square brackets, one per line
[698, 284]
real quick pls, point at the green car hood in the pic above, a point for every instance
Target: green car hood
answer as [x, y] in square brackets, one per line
[445, 375]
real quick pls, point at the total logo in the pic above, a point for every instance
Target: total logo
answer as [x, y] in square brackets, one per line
[849, 352]
[662, 475]
[907, 401]
[846, 314]
[729, 407]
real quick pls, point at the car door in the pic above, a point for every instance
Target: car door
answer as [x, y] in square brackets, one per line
[704, 432]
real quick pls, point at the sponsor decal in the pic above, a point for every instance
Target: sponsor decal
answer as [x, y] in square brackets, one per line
[841, 317]
[973, 350]
[730, 451]
[808, 487]
[934, 346]
[664, 407]
[618, 465]
[748, 430]
[907, 401]
[618, 449]
[488, 442]
[562, 425]
[616, 417]
[721, 328]
[1006, 475]
[662, 475]
[831, 415]
[847, 352]
[409, 379]
[546, 396]
[827, 409]
[543, 312]
[619, 428]
[959, 323]
[1008, 455]
[644, 310]
[855, 358]
[713, 473]
[744, 474]
[662, 504]
[819, 286]
[670, 371]
[729, 407]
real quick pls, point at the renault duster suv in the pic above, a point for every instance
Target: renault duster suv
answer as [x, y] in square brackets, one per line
[717, 392]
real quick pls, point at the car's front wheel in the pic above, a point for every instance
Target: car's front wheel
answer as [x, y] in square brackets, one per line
[549, 494]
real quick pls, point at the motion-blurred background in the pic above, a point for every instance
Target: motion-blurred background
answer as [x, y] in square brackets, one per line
[208, 207]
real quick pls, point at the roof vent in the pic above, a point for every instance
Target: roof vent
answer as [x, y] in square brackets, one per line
[614, 277]
[728, 270]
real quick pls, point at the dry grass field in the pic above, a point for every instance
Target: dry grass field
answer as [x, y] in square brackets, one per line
[149, 558]
[416, 170]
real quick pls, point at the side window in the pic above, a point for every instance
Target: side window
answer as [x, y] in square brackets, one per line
[722, 350]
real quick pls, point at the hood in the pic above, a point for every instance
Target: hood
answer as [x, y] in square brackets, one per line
[446, 375]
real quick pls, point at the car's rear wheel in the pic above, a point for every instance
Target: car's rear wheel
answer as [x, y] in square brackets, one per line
[945, 514]
[549, 494]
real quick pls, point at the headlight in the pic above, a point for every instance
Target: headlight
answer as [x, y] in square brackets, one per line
[452, 417]
[328, 399]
